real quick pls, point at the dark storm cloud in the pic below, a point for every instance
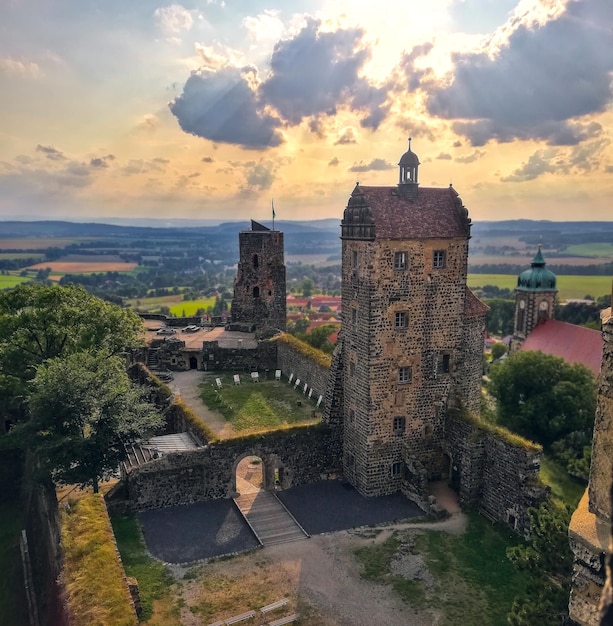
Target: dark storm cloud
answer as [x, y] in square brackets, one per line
[413, 75]
[51, 153]
[541, 80]
[222, 106]
[375, 164]
[315, 72]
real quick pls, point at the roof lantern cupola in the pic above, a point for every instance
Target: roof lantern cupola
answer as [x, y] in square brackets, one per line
[408, 173]
[538, 277]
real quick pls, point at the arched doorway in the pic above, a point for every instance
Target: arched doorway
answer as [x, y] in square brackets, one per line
[250, 475]
[193, 363]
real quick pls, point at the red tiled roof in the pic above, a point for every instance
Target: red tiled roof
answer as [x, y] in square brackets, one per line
[575, 344]
[473, 307]
[436, 213]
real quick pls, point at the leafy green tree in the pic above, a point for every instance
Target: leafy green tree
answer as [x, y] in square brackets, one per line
[499, 319]
[83, 412]
[542, 397]
[498, 350]
[40, 322]
[307, 287]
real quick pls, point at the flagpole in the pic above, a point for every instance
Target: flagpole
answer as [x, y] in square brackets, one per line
[272, 202]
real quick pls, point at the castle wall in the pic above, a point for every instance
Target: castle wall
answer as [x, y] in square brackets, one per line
[494, 471]
[292, 361]
[305, 455]
[237, 360]
[469, 369]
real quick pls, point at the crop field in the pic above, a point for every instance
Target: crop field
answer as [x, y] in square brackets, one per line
[189, 307]
[39, 243]
[598, 250]
[63, 267]
[5, 256]
[569, 287]
[8, 282]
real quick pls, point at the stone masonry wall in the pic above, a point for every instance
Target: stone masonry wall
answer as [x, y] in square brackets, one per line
[239, 360]
[494, 472]
[302, 455]
[290, 361]
[469, 371]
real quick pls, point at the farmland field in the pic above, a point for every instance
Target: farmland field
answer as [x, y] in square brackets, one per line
[63, 267]
[8, 282]
[569, 287]
[21, 255]
[599, 250]
[191, 306]
[40, 243]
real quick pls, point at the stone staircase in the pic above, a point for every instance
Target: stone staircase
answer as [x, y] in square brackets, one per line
[271, 522]
[152, 359]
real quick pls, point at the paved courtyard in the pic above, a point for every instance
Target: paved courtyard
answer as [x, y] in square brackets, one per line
[209, 529]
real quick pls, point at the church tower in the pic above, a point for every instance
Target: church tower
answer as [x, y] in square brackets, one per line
[259, 301]
[535, 299]
[412, 332]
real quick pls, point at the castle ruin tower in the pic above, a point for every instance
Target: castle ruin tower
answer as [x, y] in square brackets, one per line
[590, 525]
[535, 299]
[259, 300]
[412, 332]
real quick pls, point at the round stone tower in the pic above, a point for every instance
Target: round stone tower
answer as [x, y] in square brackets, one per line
[535, 298]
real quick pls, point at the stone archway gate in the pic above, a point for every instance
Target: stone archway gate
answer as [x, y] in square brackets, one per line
[305, 454]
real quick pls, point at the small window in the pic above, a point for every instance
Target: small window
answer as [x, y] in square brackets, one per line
[400, 261]
[352, 369]
[400, 319]
[445, 364]
[256, 261]
[428, 430]
[399, 425]
[351, 415]
[256, 292]
[438, 259]
[404, 375]
[396, 469]
[354, 258]
[354, 316]
[350, 459]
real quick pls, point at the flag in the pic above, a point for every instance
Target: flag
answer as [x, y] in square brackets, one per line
[273, 209]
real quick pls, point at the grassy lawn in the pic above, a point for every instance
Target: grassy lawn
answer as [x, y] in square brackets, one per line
[154, 581]
[563, 486]
[252, 407]
[474, 582]
[569, 287]
[13, 604]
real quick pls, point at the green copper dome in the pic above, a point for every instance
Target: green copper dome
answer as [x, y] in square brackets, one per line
[538, 277]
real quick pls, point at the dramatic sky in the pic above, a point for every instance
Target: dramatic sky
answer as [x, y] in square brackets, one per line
[209, 108]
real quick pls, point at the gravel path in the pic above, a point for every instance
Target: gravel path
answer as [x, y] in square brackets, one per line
[186, 385]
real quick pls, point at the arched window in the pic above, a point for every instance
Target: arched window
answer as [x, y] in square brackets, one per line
[256, 261]
[256, 292]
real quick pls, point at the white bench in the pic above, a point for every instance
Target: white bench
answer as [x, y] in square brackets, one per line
[284, 620]
[240, 618]
[275, 605]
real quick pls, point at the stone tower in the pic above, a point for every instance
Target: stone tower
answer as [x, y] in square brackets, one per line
[411, 341]
[259, 288]
[535, 299]
[590, 525]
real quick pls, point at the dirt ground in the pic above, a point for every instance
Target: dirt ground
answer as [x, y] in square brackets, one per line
[320, 576]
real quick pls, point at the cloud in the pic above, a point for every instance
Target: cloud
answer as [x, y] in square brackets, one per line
[222, 106]
[545, 75]
[51, 153]
[207, 159]
[266, 26]
[375, 164]
[260, 176]
[148, 123]
[346, 137]
[541, 162]
[470, 158]
[413, 75]
[102, 162]
[333, 162]
[457, 144]
[315, 72]
[173, 19]
[22, 68]
[444, 156]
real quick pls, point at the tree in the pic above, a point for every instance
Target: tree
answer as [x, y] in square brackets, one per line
[84, 411]
[499, 319]
[498, 350]
[39, 323]
[307, 287]
[542, 397]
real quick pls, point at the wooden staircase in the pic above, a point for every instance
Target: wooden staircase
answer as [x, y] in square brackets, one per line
[271, 522]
